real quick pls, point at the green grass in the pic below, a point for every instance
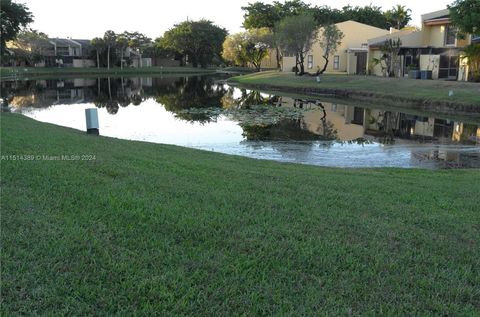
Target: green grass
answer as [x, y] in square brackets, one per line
[428, 90]
[148, 229]
[21, 72]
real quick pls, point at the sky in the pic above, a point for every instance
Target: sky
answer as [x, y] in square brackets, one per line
[86, 19]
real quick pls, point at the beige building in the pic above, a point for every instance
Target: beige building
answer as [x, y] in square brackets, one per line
[435, 48]
[351, 55]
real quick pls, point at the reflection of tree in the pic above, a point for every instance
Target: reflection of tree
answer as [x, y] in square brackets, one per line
[292, 129]
[247, 99]
[115, 93]
[192, 93]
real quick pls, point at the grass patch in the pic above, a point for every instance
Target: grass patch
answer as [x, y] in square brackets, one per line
[29, 72]
[153, 229]
[427, 90]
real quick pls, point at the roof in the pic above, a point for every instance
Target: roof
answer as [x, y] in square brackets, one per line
[83, 42]
[359, 24]
[381, 39]
[63, 42]
[445, 13]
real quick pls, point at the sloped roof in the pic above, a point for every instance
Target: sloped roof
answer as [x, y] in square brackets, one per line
[436, 15]
[381, 39]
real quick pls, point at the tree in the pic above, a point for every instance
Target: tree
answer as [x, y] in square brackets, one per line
[398, 17]
[389, 56]
[472, 56]
[137, 42]
[259, 15]
[295, 35]
[110, 39]
[248, 47]
[371, 15]
[13, 17]
[198, 41]
[465, 15]
[99, 45]
[121, 43]
[233, 49]
[30, 46]
[329, 41]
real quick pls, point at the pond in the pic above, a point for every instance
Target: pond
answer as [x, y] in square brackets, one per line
[203, 112]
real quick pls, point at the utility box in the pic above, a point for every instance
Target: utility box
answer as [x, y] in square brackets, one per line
[91, 119]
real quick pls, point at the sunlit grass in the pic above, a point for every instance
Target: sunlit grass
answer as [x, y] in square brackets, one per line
[148, 229]
[463, 92]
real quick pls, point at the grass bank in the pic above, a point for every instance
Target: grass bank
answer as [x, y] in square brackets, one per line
[152, 229]
[423, 95]
[21, 73]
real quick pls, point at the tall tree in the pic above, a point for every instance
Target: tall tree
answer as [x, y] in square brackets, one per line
[137, 42]
[109, 38]
[30, 46]
[295, 35]
[398, 17]
[13, 17]
[99, 45]
[233, 49]
[330, 39]
[371, 15]
[248, 47]
[259, 15]
[199, 41]
[121, 43]
[465, 15]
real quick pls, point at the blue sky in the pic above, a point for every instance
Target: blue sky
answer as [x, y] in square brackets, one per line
[91, 18]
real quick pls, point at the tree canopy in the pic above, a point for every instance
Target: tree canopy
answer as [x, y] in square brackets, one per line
[200, 42]
[330, 39]
[13, 17]
[398, 17]
[465, 15]
[295, 35]
[248, 47]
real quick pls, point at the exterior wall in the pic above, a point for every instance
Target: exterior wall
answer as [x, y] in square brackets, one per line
[84, 63]
[355, 36]
[288, 62]
[166, 62]
[146, 62]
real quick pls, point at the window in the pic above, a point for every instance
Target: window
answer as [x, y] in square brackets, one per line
[310, 61]
[63, 51]
[336, 62]
[450, 35]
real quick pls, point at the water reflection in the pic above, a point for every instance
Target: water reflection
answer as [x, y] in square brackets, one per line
[297, 129]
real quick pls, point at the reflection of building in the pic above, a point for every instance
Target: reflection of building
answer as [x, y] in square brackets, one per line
[352, 123]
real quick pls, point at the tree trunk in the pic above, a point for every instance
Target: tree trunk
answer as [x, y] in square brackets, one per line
[108, 58]
[278, 57]
[296, 64]
[121, 59]
[140, 60]
[98, 59]
[302, 67]
[324, 66]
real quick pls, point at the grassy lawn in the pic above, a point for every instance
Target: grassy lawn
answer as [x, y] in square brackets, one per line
[429, 90]
[155, 229]
[9, 72]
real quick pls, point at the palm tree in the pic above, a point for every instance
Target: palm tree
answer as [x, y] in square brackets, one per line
[398, 16]
[122, 44]
[99, 45]
[110, 39]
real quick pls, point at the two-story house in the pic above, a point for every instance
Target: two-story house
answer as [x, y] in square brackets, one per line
[350, 56]
[436, 47]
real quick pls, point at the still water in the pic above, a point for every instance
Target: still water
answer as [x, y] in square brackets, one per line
[204, 113]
